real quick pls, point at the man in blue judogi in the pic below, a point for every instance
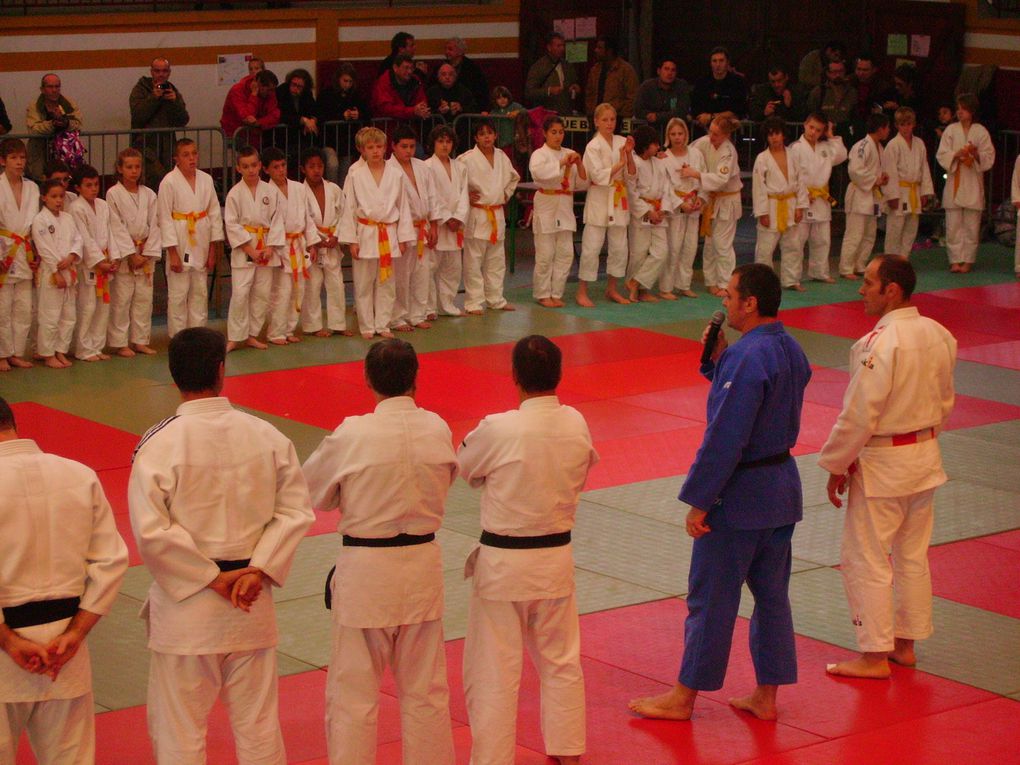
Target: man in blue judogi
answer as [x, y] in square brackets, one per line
[745, 497]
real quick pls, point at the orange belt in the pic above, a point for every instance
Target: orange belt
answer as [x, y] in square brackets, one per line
[192, 218]
[915, 201]
[655, 203]
[19, 241]
[554, 192]
[296, 270]
[422, 226]
[708, 213]
[147, 268]
[620, 195]
[782, 210]
[490, 215]
[903, 439]
[385, 254]
[260, 232]
[103, 281]
[460, 238]
[821, 192]
[327, 230]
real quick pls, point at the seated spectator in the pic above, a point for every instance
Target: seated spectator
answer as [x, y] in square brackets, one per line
[778, 98]
[723, 90]
[469, 74]
[50, 115]
[398, 94]
[552, 80]
[661, 98]
[403, 42]
[873, 92]
[449, 97]
[816, 62]
[836, 98]
[298, 112]
[503, 105]
[341, 104]
[611, 80]
[156, 102]
[5, 121]
[251, 104]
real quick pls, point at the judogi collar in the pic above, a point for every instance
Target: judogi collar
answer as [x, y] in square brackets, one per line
[19, 446]
[541, 402]
[396, 404]
[205, 405]
[908, 312]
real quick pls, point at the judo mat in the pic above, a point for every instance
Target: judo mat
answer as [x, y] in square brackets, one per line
[632, 372]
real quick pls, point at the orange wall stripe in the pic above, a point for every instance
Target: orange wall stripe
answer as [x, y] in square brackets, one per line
[141, 57]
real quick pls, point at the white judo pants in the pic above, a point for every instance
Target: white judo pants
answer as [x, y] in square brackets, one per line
[287, 295]
[446, 266]
[93, 317]
[60, 731]
[554, 255]
[816, 236]
[373, 301]
[887, 599]
[250, 289]
[791, 255]
[858, 242]
[683, 246]
[15, 316]
[498, 632]
[718, 256]
[187, 302]
[418, 660]
[649, 248]
[592, 239]
[484, 271]
[332, 277]
[58, 311]
[130, 310]
[412, 275]
[182, 690]
[963, 229]
[900, 234]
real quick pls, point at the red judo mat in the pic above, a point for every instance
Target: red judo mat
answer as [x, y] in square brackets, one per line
[978, 573]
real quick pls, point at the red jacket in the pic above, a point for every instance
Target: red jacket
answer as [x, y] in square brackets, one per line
[386, 101]
[241, 103]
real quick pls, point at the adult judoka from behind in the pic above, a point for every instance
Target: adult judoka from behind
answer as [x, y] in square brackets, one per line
[745, 497]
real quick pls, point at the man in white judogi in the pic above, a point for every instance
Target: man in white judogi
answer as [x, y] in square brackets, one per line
[388, 473]
[61, 565]
[866, 196]
[19, 204]
[884, 447]
[531, 464]
[218, 506]
[905, 161]
[190, 224]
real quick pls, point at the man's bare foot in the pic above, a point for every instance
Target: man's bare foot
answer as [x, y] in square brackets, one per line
[144, 349]
[403, 328]
[873, 667]
[293, 339]
[278, 340]
[19, 363]
[51, 361]
[616, 297]
[850, 277]
[632, 289]
[125, 352]
[647, 297]
[675, 704]
[797, 287]
[567, 759]
[104, 357]
[423, 325]
[508, 307]
[547, 302]
[667, 296]
[387, 334]
[64, 361]
[4, 365]
[345, 332]
[254, 342]
[689, 293]
[474, 312]
[761, 703]
[324, 333]
[903, 654]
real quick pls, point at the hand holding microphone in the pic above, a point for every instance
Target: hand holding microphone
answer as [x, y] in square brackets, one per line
[714, 340]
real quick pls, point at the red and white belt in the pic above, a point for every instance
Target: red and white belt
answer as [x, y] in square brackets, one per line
[903, 439]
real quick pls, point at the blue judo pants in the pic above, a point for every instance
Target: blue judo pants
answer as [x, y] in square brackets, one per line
[722, 561]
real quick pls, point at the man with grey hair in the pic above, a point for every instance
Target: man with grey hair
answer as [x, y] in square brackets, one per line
[156, 102]
[469, 74]
[51, 113]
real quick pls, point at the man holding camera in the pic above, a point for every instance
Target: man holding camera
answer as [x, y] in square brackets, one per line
[156, 103]
[49, 115]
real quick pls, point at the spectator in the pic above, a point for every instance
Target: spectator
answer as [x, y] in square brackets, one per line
[251, 103]
[403, 42]
[450, 97]
[611, 80]
[345, 105]
[816, 62]
[723, 90]
[905, 93]
[661, 98]
[5, 121]
[836, 98]
[778, 98]
[552, 81]
[398, 94]
[298, 112]
[503, 105]
[873, 92]
[156, 102]
[256, 65]
[469, 74]
[50, 115]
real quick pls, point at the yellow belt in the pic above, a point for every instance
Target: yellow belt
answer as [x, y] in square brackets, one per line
[490, 215]
[620, 195]
[385, 254]
[782, 210]
[915, 201]
[708, 213]
[192, 218]
[260, 232]
[19, 242]
[821, 192]
[555, 192]
[422, 227]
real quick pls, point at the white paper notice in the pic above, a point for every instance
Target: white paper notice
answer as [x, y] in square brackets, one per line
[231, 67]
[584, 27]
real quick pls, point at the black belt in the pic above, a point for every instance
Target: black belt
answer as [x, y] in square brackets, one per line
[232, 565]
[772, 459]
[490, 539]
[40, 612]
[400, 540]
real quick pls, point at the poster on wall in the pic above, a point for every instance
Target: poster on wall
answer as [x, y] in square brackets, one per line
[920, 46]
[577, 52]
[231, 67]
[565, 27]
[584, 27]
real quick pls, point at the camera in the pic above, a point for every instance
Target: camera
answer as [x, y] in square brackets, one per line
[164, 86]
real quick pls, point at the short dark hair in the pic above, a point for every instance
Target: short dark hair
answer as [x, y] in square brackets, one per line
[663, 59]
[818, 117]
[552, 119]
[6, 416]
[12, 146]
[181, 143]
[391, 367]
[49, 183]
[400, 58]
[609, 42]
[57, 166]
[83, 172]
[247, 151]
[399, 40]
[773, 125]
[720, 49]
[896, 269]
[553, 36]
[403, 132]
[537, 364]
[480, 124]
[866, 56]
[312, 152]
[778, 69]
[195, 357]
[441, 131]
[346, 67]
[760, 281]
[644, 136]
[876, 122]
[273, 154]
[266, 78]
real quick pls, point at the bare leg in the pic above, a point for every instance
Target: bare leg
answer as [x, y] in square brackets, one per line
[761, 703]
[612, 293]
[868, 665]
[903, 654]
[676, 704]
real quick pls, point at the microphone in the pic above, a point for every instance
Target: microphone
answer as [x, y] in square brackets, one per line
[713, 336]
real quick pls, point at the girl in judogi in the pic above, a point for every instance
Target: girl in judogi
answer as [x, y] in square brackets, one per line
[558, 172]
[651, 202]
[450, 181]
[780, 199]
[326, 204]
[19, 204]
[966, 153]
[685, 215]
[905, 161]
[866, 195]
[134, 206]
[59, 248]
[609, 164]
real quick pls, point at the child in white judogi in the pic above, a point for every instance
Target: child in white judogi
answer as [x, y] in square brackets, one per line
[449, 179]
[905, 161]
[609, 165]
[412, 272]
[105, 242]
[491, 183]
[325, 204]
[558, 172]
[780, 198]
[651, 201]
[815, 153]
[377, 226]
[292, 258]
[253, 216]
[966, 153]
[190, 224]
[59, 247]
[135, 207]
[685, 217]
[866, 195]
[19, 204]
